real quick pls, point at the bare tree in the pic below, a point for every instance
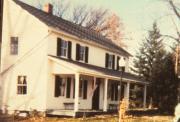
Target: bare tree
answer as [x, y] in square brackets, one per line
[60, 7]
[176, 10]
[98, 19]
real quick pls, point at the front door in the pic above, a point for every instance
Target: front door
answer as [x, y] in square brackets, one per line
[95, 98]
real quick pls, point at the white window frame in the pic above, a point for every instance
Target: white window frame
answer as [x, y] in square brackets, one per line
[110, 62]
[82, 53]
[64, 48]
[22, 85]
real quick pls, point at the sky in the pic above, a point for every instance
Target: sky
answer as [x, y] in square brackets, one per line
[137, 17]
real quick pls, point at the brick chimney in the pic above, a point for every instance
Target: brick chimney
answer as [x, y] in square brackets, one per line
[48, 8]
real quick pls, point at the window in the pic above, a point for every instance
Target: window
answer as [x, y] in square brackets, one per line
[83, 89]
[64, 48]
[59, 86]
[110, 61]
[14, 46]
[82, 53]
[22, 85]
[114, 91]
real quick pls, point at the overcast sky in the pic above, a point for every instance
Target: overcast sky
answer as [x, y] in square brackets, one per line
[136, 15]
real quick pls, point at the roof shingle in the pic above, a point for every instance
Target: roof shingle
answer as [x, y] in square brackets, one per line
[105, 71]
[71, 28]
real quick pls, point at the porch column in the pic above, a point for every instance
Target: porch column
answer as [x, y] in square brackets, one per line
[76, 100]
[105, 94]
[127, 93]
[144, 99]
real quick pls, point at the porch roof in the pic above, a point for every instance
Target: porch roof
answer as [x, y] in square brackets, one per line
[89, 69]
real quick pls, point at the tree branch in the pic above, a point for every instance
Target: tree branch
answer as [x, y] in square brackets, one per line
[174, 8]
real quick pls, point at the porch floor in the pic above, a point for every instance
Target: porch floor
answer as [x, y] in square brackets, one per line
[80, 113]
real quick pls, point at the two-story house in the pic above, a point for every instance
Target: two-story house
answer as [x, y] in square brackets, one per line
[52, 65]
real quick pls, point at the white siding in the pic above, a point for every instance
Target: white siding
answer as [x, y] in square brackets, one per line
[96, 54]
[30, 61]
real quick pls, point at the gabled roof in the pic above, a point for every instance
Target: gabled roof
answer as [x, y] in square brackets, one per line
[63, 25]
[100, 70]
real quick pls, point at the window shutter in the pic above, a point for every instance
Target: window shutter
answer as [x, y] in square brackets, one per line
[113, 63]
[85, 89]
[112, 92]
[59, 42]
[68, 91]
[69, 49]
[77, 51]
[118, 58]
[73, 88]
[116, 91]
[106, 60]
[57, 86]
[86, 54]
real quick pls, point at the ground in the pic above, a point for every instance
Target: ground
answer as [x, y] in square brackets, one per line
[107, 118]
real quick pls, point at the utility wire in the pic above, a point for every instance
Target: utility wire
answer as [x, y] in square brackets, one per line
[28, 53]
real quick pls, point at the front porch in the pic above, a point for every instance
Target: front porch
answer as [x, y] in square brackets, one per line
[87, 90]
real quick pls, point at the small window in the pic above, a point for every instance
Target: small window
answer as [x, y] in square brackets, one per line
[22, 85]
[64, 48]
[110, 62]
[82, 53]
[14, 46]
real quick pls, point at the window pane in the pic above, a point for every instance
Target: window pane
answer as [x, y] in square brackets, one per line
[82, 53]
[110, 61]
[24, 80]
[80, 88]
[64, 47]
[14, 45]
[19, 90]
[24, 89]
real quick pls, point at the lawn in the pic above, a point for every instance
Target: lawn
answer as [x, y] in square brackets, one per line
[109, 118]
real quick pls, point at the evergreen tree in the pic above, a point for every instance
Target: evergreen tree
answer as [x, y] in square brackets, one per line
[151, 52]
[166, 85]
[149, 59]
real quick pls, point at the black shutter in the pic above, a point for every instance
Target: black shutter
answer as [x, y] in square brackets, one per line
[73, 88]
[116, 92]
[69, 49]
[57, 86]
[85, 89]
[118, 58]
[77, 51]
[106, 60]
[68, 91]
[86, 54]
[59, 42]
[112, 91]
[113, 63]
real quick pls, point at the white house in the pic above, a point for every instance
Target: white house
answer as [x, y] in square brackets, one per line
[54, 66]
